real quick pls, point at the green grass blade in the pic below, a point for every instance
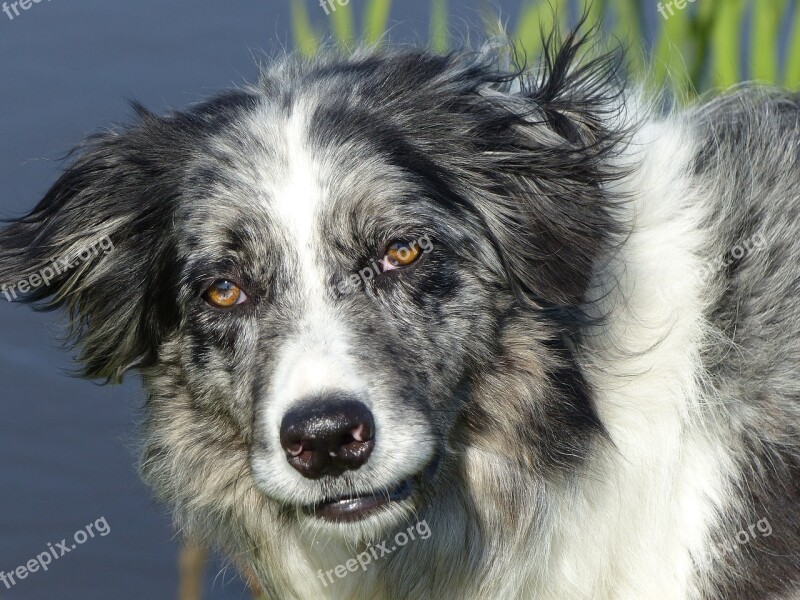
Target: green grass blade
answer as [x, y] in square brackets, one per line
[305, 38]
[376, 19]
[439, 36]
[593, 9]
[344, 30]
[539, 16]
[672, 49]
[792, 74]
[725, 37]
[628, 28]
[764, 40]
[700, 27]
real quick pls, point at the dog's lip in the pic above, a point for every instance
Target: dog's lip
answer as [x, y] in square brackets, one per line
[356, 507]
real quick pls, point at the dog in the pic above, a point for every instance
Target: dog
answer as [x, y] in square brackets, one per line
[419, 326]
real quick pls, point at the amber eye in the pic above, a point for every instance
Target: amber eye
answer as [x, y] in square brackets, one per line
[224, 294]
[402, 254]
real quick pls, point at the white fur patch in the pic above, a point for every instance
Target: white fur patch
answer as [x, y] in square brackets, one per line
[640, 528]
[315, 361]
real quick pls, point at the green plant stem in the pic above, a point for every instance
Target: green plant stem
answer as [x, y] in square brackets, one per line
[791, 76]
[305, 38]
[439, 35]
[766, 19]
[376, 18]
[725, 36]
[344, 31]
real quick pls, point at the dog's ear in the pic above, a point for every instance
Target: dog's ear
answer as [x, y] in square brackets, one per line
[548, 141]
[96, 245]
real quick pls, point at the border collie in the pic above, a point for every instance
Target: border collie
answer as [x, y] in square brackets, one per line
[398, 292]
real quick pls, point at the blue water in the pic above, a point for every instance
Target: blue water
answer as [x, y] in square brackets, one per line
[68, 67]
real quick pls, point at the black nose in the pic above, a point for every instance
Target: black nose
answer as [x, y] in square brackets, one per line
[328, 436]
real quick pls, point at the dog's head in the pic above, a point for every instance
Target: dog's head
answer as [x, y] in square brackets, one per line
[315, 273]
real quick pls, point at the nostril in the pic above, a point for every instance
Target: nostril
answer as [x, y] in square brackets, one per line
[356, 439]
[327, 436]
[361, 434]
[295, 448]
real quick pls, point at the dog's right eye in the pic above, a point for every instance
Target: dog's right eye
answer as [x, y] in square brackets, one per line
[224, 294]
[403, 254]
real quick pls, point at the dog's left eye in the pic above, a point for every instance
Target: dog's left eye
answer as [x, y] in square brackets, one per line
[402, 254]
[224, 294]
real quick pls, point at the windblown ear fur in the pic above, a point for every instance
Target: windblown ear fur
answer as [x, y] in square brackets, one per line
[94, 242]
[546, 141]
[117, 199]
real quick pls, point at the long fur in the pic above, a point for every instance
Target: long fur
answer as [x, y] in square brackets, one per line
[592, 377]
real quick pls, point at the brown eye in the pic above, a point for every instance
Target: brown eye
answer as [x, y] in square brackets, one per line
[402, 254]
[224, 294]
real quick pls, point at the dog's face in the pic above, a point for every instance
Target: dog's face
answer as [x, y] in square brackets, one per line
[335, 302]
[314, 274]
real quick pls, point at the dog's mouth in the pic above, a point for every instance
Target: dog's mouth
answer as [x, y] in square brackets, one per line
[357, 507]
